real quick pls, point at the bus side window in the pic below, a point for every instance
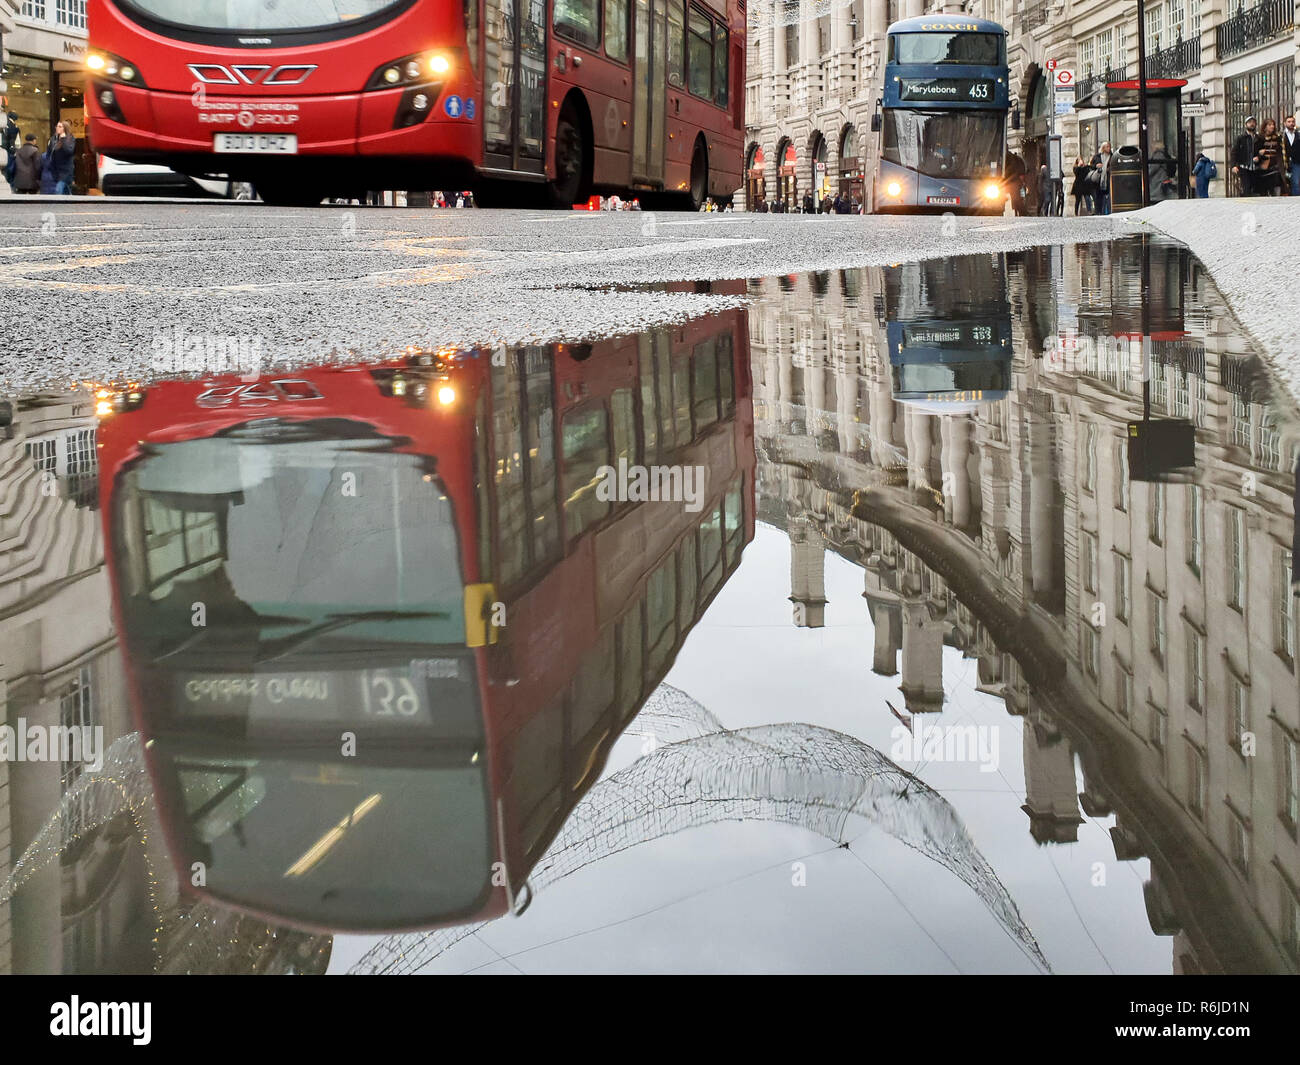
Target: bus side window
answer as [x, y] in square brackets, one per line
[622, 405]
[631, 657]
[676, 44]
[649, 406]
[616, 24]
[734, 506]
[661, 606]
[687, 583]
[585, 451]
[720, 79]
[726, 378]
[482, 490]
[682, 398]
[699, 58]
[508, 473]
[705, 368]
[544, 531]
[536, 776]
[711, 552]
[579, 20]
[593, 695]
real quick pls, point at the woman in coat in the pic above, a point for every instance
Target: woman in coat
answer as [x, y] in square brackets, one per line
[1079, 190]
[1269, 156]
[63, 159]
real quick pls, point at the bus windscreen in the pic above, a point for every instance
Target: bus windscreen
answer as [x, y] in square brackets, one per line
[976, 49]
[948, 144]
[259, 15]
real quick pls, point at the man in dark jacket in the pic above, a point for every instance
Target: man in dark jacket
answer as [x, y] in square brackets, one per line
[1244, 164]
[27, 167]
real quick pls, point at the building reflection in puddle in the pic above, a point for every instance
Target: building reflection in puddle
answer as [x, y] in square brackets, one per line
[306, 571]
[1143, 623]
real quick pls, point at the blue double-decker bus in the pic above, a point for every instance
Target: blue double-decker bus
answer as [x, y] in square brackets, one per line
[948, 326]
[943, 117]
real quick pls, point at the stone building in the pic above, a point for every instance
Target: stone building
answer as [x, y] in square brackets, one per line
[815, 70]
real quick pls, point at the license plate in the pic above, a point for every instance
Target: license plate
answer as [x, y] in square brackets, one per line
[944, 201]
[257, 143]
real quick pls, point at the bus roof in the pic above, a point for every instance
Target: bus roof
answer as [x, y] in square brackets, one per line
[945, 24]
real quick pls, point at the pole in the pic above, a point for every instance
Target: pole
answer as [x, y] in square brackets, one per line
[1142, 101]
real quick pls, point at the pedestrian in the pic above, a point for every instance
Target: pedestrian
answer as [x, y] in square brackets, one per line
[1204, 172]
[27, 167]
[1044, 191]
[1079, 190]
[1244, 163]
[1291, 153]
[11, 139]
[1101, 179]
[1270, 155]
[62, 151]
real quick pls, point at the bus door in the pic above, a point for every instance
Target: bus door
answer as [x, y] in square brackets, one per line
[649, 108]
[514, 82]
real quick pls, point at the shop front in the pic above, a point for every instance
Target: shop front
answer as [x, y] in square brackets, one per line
[45, 72]
[787, 176]
[821, 181]
[850, 166]
[755, 180]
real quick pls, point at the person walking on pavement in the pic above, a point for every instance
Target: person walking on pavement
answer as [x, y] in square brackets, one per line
[1204, 172]
[1080, 190]
[62, 151]
[1101, 164]
[1044, 191]
[1291, 151]
[1269, 155]
[1244, 163]
[27, 167]
[11, 139]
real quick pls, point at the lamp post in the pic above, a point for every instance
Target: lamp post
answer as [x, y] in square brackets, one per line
[1142, 101]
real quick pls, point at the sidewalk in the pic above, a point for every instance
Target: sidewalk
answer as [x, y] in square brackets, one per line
[1249, 248]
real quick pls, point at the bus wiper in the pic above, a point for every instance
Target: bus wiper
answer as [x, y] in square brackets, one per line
[258, 621]
[274, 649]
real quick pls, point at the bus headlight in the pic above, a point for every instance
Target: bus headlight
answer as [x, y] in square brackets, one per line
[894, 189]
[446, 395]
[992, 191]
[422, 68]
[114, 68]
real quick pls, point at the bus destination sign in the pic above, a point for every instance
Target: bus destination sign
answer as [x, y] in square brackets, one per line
[955, 90]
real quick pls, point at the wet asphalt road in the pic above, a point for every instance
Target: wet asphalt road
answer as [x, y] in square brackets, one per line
[96, 289]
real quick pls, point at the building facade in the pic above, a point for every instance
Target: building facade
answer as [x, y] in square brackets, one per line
[815, 69]
[43, 47]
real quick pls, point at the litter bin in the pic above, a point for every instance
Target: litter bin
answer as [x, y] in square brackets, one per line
[1126, 180]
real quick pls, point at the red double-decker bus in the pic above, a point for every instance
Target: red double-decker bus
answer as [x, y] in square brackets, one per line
[381, 624]
[308, 99]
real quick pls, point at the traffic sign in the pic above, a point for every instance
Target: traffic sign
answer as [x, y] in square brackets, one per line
[1063, 79]
[1051, 64]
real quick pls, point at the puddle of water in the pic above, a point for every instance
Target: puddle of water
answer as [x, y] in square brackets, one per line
[379, 655]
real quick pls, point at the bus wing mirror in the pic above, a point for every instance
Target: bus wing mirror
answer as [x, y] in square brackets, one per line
[1015, 118]
[875, 122]
[480, 600]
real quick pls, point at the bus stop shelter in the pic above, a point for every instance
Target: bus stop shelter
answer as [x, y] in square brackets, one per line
[1167, 163]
